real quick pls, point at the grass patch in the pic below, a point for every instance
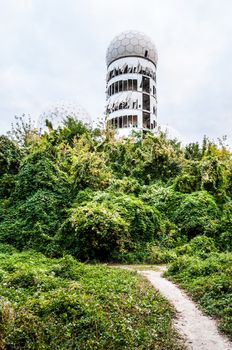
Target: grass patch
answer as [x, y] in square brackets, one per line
[63, 304]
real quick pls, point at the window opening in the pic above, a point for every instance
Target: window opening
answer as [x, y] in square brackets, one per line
[130, 121]
[134, 121]
[124, 85]
[146, 53]
[120, 122]
[116, 87]
[135, 84]
[146, 84]
[125, 121]
[146, 120]
[146, 102]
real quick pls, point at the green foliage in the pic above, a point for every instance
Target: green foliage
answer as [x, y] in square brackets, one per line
[39, 171]
[9, 156]
[208, 277]
[63, 304]
[197, 214]
[94, 232]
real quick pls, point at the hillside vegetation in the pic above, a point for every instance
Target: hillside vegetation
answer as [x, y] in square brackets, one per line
[63, 304]
[144, 199]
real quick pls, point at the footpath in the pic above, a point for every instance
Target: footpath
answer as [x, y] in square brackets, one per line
[199, 331]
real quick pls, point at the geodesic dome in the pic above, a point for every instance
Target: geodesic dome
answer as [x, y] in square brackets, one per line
[131, 43]
[57, 113]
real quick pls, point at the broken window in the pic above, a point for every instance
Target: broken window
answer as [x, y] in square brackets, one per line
[130, 121]
[146, 102]
[120, 85]
[120, 105]
[120, 122]
[130, 84]
[124, 85]
[116, 87]
[124, 121]
[134, 121]
[146, 84]
[135, 84]
[146, 120]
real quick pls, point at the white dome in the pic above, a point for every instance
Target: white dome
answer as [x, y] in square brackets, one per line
[59, 112]
[131, 43]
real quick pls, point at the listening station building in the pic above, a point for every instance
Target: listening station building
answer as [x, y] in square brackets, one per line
[131, 83]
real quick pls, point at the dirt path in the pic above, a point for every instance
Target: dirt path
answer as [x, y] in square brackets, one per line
[200, 331]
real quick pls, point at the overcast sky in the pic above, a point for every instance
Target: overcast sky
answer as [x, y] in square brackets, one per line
[54, 50]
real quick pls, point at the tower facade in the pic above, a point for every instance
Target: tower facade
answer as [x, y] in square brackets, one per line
[131, 83]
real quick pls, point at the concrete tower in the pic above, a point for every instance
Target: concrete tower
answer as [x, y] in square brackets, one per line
[131, 83]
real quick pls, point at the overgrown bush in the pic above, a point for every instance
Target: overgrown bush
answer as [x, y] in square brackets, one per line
[197, 214]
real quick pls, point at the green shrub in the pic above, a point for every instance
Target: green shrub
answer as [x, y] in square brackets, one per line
[201, 246]
[94, 232]
[197, 214]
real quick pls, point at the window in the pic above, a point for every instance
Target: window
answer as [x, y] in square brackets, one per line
[124, 85]
[129, 121]
[146, 84]
[116, 87]
[146, 120]
[116, 122]
[135, 85]
[124, 123]
[112, 88]
[146, 102]
[120, 122]
[120, 85]
[134, 121]
[130, 84]
[146, 53]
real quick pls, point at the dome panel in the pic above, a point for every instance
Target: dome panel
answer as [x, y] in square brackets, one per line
[134, 41]
[131, 43]
[125, 41]
[130, 48]
[59, 112]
